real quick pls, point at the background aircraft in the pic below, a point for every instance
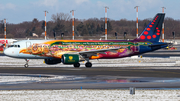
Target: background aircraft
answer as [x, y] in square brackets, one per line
[8, 42]
[74, 51]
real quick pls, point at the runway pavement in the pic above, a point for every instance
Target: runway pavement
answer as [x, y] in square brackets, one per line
[106, 71]
[93, 78]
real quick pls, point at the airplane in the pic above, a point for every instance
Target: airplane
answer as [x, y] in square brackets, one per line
[71, 52]
[7, 41]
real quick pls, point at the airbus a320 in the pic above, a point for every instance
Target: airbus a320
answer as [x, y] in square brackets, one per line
[74, 51]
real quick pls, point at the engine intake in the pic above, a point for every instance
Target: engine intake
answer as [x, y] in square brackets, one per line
[70, 58]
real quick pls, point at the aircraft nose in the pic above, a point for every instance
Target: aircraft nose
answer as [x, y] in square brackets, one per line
[7, 52]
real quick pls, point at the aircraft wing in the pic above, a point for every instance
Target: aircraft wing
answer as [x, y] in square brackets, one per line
[87, 54]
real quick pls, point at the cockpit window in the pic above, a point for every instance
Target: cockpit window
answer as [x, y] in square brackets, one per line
[17, 46]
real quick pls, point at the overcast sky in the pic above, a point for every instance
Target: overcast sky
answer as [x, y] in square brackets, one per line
[17, 11]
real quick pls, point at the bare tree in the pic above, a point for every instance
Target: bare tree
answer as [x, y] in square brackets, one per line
[61, 21]
[61, 17]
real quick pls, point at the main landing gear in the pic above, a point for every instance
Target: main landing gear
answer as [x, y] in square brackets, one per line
[77, 65]
[26, 65]
[88, 65]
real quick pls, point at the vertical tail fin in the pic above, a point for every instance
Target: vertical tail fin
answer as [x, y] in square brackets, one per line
[153, 30]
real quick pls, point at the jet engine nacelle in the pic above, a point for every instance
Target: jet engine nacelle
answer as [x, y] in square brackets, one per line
[52, 61]
[70, 58]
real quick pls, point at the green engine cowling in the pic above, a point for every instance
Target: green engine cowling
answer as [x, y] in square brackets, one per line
[70, 58]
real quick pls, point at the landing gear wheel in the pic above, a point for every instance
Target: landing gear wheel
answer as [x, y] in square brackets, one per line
[88, 64]
[77, 65]
[26, 65]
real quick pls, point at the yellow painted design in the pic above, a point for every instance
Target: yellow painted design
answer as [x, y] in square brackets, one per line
[121, 50]
[70, 57]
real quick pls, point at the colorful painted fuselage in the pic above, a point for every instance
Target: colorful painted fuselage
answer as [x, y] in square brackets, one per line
[56, 48]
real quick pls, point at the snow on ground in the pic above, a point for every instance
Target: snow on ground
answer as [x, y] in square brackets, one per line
[89, 95]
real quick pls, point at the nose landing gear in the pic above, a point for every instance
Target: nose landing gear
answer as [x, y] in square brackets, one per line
[26, 65]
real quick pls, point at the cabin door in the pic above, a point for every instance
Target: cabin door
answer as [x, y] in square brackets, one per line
[28, 44]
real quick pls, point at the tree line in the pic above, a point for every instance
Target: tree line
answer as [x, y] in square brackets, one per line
[93, 27]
